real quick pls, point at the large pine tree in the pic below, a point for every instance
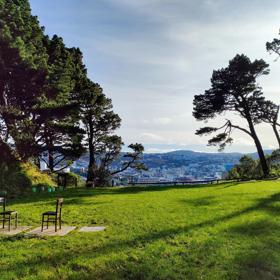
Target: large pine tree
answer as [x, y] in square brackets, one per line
[59, 136]
[234, 89]
[23, 72]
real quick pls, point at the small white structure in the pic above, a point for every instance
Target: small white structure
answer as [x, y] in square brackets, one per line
[43, 166]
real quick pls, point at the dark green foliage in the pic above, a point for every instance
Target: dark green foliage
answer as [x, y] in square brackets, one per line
[247, 168]
[23, 73]
[234, 89]
[67, 179]
[23, 32]
[59, 136]
[206, 130]
[37, 107]
[274, 163]
[45, 95]
[74, 180]
[132, 159]
[12, 179]
[19, 178]
[273, 46]
[100, 123]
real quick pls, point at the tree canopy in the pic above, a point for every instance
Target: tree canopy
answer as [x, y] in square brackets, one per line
[234, 89]
[49, 109]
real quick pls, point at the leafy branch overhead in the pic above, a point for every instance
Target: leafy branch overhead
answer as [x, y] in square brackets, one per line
[220, 139]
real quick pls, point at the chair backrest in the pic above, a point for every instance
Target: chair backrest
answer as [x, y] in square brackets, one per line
[59, 203]
[3, 201]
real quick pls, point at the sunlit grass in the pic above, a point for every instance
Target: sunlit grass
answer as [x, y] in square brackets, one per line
[225, 231]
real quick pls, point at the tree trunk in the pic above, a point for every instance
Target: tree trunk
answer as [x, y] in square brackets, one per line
[260, 151]
[37, 162]
[51, 161]
[276, 134]
[90, 173]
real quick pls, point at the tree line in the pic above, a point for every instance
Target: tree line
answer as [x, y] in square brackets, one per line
[235, 89]
[50, 110]
[249, 168]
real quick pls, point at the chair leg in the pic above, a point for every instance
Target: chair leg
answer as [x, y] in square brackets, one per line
[42, 222]
[55, 225]
[16, 221]
[9, 222]
[48, 222]
[3, 221]
[60, 222]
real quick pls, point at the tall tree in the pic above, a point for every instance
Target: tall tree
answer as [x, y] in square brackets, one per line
[234, 89]
[132, 159]
[59, 135]
[23, 73]
[109, 152]
[38, 110]
[99, 121]
[104, 146]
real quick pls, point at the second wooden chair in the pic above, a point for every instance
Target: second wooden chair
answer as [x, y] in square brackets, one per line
[53, 217]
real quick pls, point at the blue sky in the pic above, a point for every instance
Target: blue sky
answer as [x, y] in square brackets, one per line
[153, 56]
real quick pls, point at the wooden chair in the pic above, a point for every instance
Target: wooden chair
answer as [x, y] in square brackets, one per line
[53, 217]
[7, 215]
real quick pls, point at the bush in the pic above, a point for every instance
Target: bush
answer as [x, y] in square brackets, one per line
[18, 178]
[247, 169]
[72, 179]
[36, 177]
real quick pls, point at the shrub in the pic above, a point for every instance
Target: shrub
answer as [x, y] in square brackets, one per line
[72, 179]
[18, 178]
[36, 177]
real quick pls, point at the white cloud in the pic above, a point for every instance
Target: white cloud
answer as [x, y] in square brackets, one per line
[152, 136]
[159, 121]
[153, 56]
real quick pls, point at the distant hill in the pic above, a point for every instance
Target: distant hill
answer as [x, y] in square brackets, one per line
[184, 157]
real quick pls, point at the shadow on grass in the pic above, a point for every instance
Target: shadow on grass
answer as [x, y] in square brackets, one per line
[261, 261]
[229, 185]
[255, 229]
[254, 260]
[76, 193]
[79, 193]
[202, 201]
[71, 195]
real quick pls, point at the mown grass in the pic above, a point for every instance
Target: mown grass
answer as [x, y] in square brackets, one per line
[224, 231]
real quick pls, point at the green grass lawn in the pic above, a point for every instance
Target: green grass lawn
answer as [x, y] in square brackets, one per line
[224, 231]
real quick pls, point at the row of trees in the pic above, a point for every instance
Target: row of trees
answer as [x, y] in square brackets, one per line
[235, 89]
[249, 168]
[49, 109]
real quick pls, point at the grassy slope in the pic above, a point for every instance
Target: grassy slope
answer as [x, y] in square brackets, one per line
[226, 231]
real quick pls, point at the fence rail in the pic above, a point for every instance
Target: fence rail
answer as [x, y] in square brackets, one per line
[214, 181]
